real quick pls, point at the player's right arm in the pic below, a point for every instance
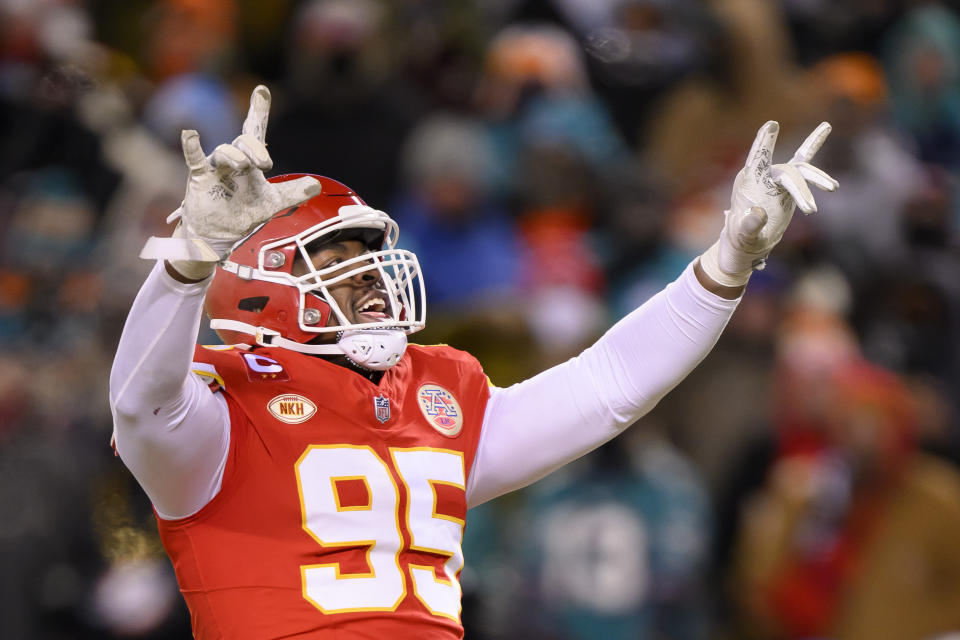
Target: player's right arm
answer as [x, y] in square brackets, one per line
[169, 429]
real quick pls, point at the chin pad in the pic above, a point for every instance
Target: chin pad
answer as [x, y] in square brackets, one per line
[376, 349]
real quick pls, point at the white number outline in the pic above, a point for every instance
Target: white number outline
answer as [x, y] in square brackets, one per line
[370, 544]
[455, 555]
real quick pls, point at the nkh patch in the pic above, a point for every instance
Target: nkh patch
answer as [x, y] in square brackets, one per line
[381, 408]
[291, 408]
[440, 409]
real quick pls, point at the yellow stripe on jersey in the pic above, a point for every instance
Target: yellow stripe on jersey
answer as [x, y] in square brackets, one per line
[208, 373]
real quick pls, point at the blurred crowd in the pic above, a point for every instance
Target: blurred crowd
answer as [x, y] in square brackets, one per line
[553, 163]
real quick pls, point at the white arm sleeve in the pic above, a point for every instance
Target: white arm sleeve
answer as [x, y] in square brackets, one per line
[169, 429]
[537, 426]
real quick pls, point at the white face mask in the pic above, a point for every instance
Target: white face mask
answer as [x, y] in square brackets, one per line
[374, 345]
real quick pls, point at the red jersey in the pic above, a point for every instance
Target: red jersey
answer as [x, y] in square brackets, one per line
[342, 505]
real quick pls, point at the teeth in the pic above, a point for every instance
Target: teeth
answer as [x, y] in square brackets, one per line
[371, 303]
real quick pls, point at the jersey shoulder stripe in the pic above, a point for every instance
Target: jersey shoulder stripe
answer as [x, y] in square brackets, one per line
[208, 373]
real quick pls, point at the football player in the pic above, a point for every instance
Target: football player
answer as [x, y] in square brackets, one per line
[311, 478]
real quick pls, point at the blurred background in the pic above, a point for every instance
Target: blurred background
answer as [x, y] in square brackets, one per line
[553, 164]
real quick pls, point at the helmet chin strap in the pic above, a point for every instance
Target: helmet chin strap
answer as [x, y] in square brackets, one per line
[375, 349]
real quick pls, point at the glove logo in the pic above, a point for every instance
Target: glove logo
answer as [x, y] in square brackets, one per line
[291, 408]
[219, 192]
[440, 409]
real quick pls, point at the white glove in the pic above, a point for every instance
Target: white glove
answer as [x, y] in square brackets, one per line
[764, 198]
[227, 195]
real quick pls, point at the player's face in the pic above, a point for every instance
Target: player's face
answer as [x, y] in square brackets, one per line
[360, 297]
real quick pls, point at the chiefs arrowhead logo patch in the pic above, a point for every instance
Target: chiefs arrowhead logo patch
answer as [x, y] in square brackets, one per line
[440, 409]
[291, 408]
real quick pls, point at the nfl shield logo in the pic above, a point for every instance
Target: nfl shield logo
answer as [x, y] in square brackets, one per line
[381, 406]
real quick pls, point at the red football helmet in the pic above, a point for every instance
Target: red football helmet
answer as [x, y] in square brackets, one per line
[255, 297]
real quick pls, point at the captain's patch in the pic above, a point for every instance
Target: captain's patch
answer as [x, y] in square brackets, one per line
[261, 368]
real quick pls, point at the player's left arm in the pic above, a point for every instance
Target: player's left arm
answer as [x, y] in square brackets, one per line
[538, 425]
[534, 427]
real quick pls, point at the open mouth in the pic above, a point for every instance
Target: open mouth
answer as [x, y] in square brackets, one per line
[372, 308]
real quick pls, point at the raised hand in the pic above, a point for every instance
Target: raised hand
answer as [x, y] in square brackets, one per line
[227, 195]
[764, 198]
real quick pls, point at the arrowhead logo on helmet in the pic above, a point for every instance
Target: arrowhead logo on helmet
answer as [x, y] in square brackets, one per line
[255, 296]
